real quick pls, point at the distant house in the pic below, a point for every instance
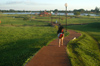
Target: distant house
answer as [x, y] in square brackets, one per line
[45, 14]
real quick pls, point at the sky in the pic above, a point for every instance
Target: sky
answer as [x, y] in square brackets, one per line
[48, 4]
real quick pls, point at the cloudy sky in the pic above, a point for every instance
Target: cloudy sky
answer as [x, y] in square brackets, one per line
[48, 4]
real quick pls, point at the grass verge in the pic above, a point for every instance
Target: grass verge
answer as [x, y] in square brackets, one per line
[84, 51]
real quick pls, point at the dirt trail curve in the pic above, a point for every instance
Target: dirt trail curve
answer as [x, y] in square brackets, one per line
[52, 55]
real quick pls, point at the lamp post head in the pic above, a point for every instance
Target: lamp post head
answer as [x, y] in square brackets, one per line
[66, 5]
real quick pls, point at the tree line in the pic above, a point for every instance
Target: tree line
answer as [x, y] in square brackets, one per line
[96, 10]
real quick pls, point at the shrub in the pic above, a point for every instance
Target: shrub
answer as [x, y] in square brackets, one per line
[77, 13]
[88, 15]
[26, 18]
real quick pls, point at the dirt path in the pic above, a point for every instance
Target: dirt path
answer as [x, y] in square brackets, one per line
[52, 55]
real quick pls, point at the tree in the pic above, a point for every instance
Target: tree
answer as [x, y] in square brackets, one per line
[12, 10]
[81, 10]
[92, 10]
[75, 10]
[96, 10]
[56, 10]
[77, 13]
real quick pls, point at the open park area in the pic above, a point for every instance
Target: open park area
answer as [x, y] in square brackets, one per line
[23, 35]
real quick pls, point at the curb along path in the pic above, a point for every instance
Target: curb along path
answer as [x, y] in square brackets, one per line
[52, 55]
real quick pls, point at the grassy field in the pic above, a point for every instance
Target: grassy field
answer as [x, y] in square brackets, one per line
[33, 20]
[21, 36]
[71, 19]
[17, 44]
[20, 20]
[85, 51]
[20, 39]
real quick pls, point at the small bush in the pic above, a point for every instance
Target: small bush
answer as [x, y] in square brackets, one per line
[77, 13]
[26, 18]
[88, 15]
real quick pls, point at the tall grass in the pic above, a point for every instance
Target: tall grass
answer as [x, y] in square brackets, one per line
[17, 44]
[85, 51]
[21, 38]
[92, 29]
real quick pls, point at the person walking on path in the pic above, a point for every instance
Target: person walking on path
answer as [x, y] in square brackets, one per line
[49, 55]
[60, 33]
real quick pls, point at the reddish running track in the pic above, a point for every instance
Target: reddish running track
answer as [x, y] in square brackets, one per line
[52, 55]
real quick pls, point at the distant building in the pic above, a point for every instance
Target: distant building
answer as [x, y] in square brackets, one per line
[45, 14]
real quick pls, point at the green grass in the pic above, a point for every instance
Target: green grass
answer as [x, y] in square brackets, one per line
[17, 44]
[82, 20]
[85, 51]
[18, 20]
[20, 39]
[92, 29]
[71, 19]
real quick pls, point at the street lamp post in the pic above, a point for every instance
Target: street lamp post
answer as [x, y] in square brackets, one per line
[66, 12]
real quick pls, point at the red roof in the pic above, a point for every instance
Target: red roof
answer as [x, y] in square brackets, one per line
[45, 12]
